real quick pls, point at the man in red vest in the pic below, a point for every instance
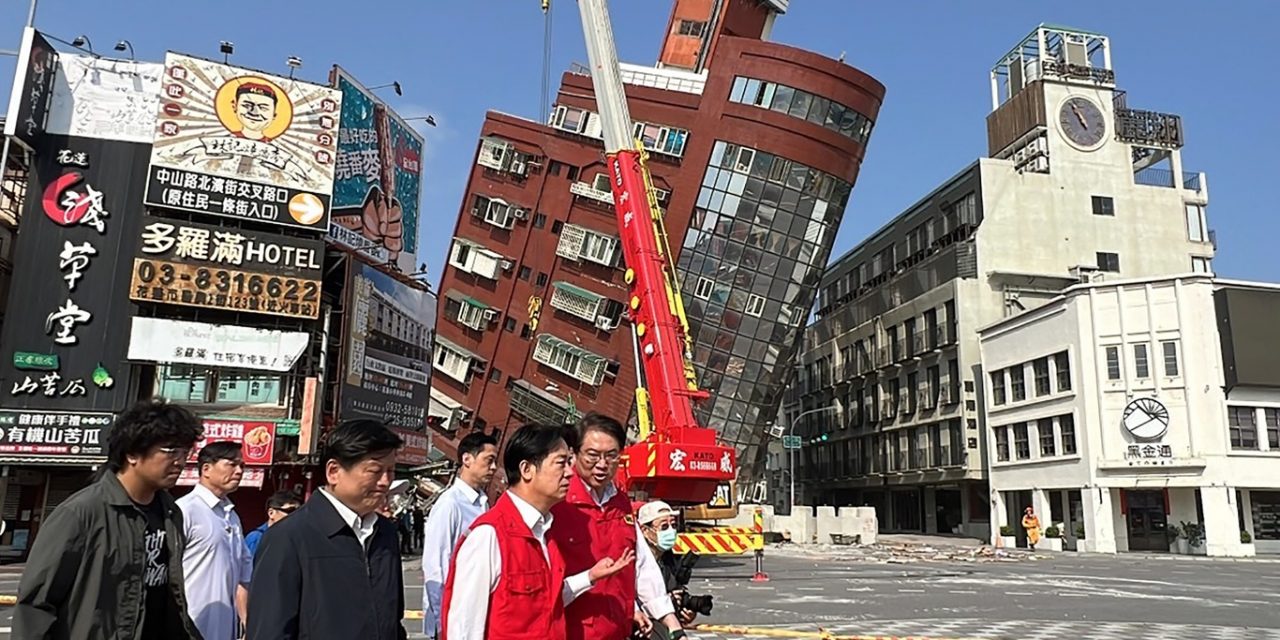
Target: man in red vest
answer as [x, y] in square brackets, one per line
[513, 581]
[595, 522]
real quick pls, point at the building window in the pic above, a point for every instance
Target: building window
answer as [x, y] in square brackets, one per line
[471, 257]
[1243, 426]
[1273, 428]
[1067, 425]
[658, 138]
[1196, 230]
[555, 167]
[575, 300]
[1108, 261]
[703, 289]
[525, 332]
[997, 388]
[1002, 444]
[935, 385]
[1103, 206]
[755, 305]
[1018, 383]
[913, 391]
[541, 280]
[691, 28]
[1062, 367]
[1141, 367]
[1170, 352]
[495, 376]
[1021, 441]
[570, 359]
[509, 324]
[1113, 363]
[1041, 368]
[581, 243]
[1201, 265]
[1048, 443]
[525, 272]
[820, 111]
[569, 119]
[539, 220]
[452, 362]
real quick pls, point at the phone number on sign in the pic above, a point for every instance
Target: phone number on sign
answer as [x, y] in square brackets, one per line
[191, 285]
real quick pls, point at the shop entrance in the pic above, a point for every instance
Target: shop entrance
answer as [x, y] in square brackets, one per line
[1147, 521]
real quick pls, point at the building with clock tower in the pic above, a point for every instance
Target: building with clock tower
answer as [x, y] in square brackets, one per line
[1077, 186]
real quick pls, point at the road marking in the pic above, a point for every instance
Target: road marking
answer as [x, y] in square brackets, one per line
[1252, 602]
[1068, 594]
[810, 589]
[1018, 593]
[964, 592]
[821, 634]
[910, 590]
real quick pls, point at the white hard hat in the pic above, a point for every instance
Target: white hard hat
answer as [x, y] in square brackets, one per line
[653, 510]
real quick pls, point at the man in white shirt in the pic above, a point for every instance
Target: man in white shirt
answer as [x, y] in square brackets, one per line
[216, 564]
[510, 541]
[451, 517]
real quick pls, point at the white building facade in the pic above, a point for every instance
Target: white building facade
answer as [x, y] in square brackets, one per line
[1110, 410]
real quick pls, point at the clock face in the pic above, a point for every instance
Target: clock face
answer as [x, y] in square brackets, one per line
[1146, 419]
[1082, 123]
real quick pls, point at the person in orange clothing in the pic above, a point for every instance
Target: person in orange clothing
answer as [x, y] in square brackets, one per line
[595, 522]
[1032, 526]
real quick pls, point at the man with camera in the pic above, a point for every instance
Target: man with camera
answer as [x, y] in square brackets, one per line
[657, 522]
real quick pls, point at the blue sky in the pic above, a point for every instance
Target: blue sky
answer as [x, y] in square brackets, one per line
[1214, 66]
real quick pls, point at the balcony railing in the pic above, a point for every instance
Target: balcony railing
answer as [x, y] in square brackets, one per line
[1156, 177]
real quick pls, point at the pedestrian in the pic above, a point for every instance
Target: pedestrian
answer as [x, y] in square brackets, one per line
[451, 517]
[595, 522]
[657, 522]
[419, 529]
[217, 564]
[107, 563]
[279, 506]
[1032, 526]
[331, 571]
[513, 583]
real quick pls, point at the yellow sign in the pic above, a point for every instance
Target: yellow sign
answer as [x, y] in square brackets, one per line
[535, 309]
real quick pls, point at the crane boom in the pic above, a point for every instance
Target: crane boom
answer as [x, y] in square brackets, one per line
[677, 460]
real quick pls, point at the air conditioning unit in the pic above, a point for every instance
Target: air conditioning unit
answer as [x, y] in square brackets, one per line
[517, 164]
[490, 315]
[507, 264]
[1086, 272]
[604, 323]
[520, 214]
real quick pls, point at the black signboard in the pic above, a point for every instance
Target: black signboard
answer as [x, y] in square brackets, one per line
[33, 86]
[43, 433]
[1149, 128]
[193, 264]
[68, 297]
[236, 198]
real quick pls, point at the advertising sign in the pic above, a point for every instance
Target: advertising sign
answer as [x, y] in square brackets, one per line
[258, 438]
[243, 144]
[388, 366]
[95, 97]
[198, 265]
[378, 180]
[214, 345]
[53, 433]
[67, 302]
[33, 83]
[415, 449]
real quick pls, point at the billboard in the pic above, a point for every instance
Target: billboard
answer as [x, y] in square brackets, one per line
[378, 179]
[215, 345]
[389, 333]
[243, 144]
[67, 325]
[199, 265]
[95, 97]
[32, 85]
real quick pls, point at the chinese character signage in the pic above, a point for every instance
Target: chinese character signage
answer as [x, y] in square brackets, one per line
[415, 449]
[106, 99]
[198, 265]
[258, 438]
[66, 327]
[378, 179]
[388, 358]
[243, 144]
[32, 86]
[53, 433]
[215, 345]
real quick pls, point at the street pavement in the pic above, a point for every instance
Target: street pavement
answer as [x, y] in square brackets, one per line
[1048, 597]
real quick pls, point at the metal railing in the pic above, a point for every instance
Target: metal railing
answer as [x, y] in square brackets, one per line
[1156, 177]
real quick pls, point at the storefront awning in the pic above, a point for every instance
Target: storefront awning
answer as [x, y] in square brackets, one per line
[574, 289]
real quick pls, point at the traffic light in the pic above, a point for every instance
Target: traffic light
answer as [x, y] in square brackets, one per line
[824, 437]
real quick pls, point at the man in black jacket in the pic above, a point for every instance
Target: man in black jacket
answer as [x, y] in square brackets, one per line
[331, 571]
[108, 562]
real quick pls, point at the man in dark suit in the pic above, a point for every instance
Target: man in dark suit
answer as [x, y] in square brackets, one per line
[332, 569]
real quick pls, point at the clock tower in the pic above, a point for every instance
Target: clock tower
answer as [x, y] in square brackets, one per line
[1054, 102]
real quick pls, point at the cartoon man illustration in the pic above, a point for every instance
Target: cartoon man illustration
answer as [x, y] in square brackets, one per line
[256, 109]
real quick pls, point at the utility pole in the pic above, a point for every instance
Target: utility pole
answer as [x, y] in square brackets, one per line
[791, 463]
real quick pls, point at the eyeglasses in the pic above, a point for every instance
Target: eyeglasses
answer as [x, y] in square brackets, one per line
[286, 510]
[175, 452]
[593, 457]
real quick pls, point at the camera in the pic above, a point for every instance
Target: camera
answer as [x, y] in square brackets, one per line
[700, 605]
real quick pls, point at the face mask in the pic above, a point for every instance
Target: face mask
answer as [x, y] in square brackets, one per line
[667, 539]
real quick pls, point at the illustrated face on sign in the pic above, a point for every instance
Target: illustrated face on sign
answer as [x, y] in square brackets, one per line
[256, 109]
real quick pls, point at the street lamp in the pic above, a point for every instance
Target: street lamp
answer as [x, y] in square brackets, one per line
[791, 460]
[394, 86]
[83, 42]
[124, 45]
[431, 120]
